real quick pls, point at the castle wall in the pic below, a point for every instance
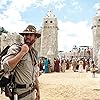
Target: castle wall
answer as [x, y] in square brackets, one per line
[96, 37]
[49, 36]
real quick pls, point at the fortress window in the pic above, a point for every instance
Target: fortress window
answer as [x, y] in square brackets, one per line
[50, 21]
[45, 21]
[98, 25]
[99, 19]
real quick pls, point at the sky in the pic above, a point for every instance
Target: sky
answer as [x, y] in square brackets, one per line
[74, 18]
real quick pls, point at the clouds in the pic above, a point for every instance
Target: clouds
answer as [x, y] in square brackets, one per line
[11, 18]
[76, 5]
[71, 33]
[59, 6]
[96, 6]
[11, 12]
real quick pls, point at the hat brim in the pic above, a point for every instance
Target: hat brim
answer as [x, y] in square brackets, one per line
[37, 34]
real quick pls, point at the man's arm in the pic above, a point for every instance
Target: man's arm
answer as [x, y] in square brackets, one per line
[37, 83]
[12, 62]
[37, 88]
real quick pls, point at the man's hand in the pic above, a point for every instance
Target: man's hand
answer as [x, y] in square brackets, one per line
[24, 48]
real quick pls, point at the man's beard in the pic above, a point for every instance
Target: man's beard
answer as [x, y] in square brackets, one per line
[29, 43]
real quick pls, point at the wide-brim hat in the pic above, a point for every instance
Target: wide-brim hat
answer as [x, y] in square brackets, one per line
[30, 30]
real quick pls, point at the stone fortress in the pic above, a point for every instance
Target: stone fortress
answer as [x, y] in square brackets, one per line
[96, 37]
[49, 36]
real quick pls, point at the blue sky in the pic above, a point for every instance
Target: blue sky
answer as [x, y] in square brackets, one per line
[74, 18]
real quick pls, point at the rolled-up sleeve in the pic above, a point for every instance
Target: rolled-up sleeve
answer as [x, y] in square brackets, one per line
[12, 51]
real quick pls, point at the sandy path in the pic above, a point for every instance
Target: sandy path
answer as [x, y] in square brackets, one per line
[68, 86]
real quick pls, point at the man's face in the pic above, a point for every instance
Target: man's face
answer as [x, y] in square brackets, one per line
[29, 39]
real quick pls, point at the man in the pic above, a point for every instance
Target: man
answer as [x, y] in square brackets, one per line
[22, 58]
[93, 69]
[46, 64]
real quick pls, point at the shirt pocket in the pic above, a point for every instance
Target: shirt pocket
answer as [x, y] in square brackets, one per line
[25, 61]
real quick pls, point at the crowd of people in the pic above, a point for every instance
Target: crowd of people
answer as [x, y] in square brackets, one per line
[61, 65]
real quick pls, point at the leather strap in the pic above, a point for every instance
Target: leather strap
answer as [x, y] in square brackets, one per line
[26, 93]
[24, 85]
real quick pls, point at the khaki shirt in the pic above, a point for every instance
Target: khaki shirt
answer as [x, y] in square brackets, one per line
[24, 72]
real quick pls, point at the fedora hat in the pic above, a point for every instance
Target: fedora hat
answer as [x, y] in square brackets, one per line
[30, 30]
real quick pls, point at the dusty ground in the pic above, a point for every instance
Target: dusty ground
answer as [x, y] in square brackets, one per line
[68, 86]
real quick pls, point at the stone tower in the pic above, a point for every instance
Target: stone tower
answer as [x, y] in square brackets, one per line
[49, 36]
[96, 35]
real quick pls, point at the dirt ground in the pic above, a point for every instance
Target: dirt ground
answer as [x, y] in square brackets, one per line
[68, 86]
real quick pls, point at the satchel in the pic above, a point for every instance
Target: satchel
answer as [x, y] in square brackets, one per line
[8, 92]
[3, 79]
[7, 83]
